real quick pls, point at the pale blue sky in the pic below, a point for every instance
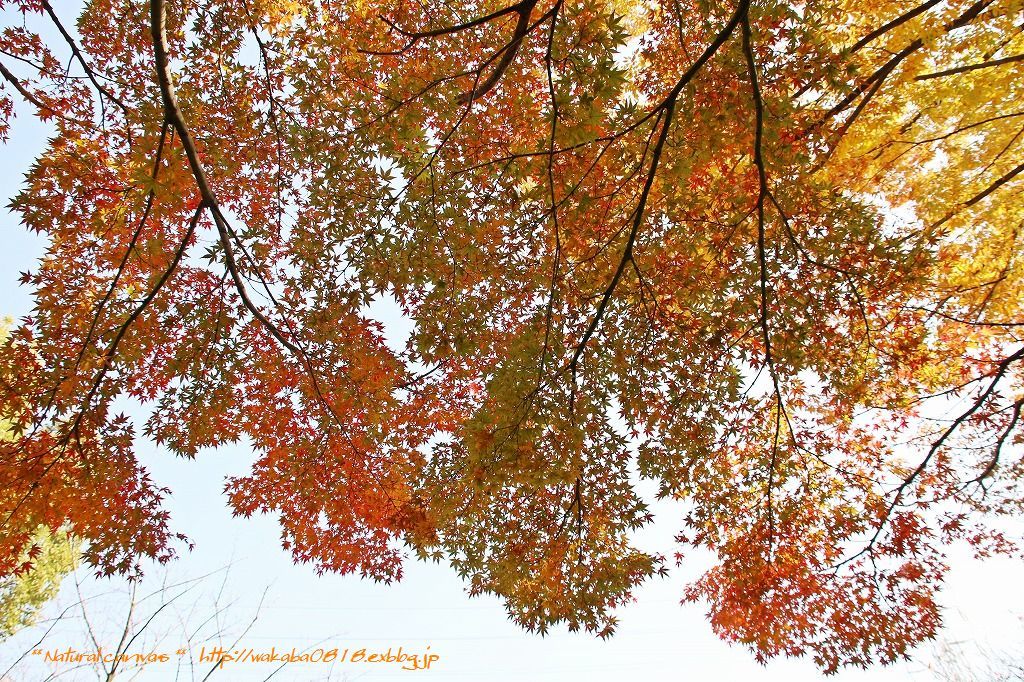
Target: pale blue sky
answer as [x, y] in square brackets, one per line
[658, 639]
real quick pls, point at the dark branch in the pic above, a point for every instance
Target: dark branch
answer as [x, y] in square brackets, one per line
[971, 67]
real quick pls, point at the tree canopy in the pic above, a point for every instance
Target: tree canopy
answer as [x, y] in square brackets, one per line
[23, 595]
[766, 254]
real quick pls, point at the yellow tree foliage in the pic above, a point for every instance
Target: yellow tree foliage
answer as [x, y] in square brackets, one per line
[49, 557]
[23, 595]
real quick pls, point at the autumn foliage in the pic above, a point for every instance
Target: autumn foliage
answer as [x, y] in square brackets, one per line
[765, 254]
